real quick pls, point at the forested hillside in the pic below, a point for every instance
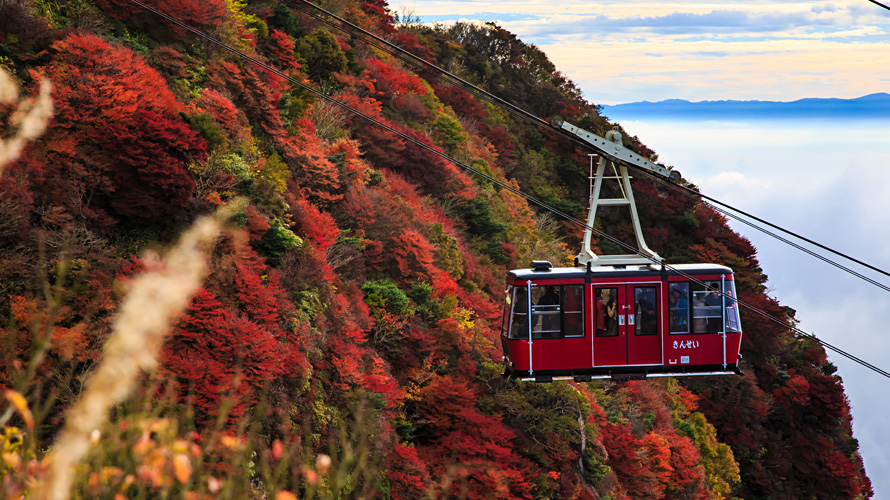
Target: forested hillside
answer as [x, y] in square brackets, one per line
[342, 337]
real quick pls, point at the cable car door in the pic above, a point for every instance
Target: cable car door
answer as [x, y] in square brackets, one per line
[626, 324]
[643, 338]
[609, 329]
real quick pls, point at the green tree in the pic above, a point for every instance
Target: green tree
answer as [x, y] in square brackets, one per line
[321, 55]
[276, 241]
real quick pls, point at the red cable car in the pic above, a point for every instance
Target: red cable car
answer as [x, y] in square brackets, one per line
[619, 316]
[620, 321]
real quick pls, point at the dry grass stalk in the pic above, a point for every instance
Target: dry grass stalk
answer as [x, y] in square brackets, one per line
[30, 117]
[155, 299]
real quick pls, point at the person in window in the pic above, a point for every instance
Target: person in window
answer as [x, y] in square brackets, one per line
[605, 314]
[549, 298]
[713, 305]
[679, 311]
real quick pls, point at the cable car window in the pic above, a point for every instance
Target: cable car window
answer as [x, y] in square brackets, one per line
[707, 308]
[732, 311]
[678, 305]
[508, 306]
[606, 312]
[573, 310]
[519, 323]
[546, 312]
[645, 311]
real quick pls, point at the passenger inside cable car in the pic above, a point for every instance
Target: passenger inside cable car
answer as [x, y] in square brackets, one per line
[606, 326]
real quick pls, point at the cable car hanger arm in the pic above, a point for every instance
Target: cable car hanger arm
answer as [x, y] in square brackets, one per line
[612, 147]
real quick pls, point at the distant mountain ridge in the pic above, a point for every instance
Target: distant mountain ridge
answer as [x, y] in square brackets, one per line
[866, 107]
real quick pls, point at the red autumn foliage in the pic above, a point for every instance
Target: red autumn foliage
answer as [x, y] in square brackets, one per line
[222, 109]
[118, 150]
[412, 256]
[257, 225]
[317, 226]
[117, 144]
[686, 476]
[629, 461]
[418, 164]
[282, 48]
[411, 108]
[169, 62]
[794, 392]
[412, 44]
[501, 141]
[737, 407]
[407, 474]
[379, 380]
[388, 82]
[199, 14]
[215, 357]
[378, 10]
[315, 176]
[17, 199]
[657, 458]
[258, 94]
[348, 155]
[480, 444]
[459, 100]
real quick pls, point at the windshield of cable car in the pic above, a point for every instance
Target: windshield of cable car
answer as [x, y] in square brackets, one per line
[699, 308]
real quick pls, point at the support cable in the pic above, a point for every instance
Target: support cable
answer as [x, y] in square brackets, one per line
[879, 4]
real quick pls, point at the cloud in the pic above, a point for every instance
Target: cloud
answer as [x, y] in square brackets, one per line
[795, 175]
[818, 9]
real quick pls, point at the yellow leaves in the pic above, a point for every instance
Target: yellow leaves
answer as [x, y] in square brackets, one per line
[464, 318]
[20, 404]
[245, 25]
[721, 469]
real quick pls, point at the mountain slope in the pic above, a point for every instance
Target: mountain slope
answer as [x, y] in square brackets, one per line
[345, 340]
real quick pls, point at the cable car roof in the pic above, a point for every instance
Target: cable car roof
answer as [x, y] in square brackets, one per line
[558, 273]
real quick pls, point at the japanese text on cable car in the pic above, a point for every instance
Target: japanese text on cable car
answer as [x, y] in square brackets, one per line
[685, 344]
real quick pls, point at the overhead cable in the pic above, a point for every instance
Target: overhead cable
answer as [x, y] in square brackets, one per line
[879, 4]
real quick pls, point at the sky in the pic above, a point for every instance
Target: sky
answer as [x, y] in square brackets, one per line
[633, 50]
[823, 179]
